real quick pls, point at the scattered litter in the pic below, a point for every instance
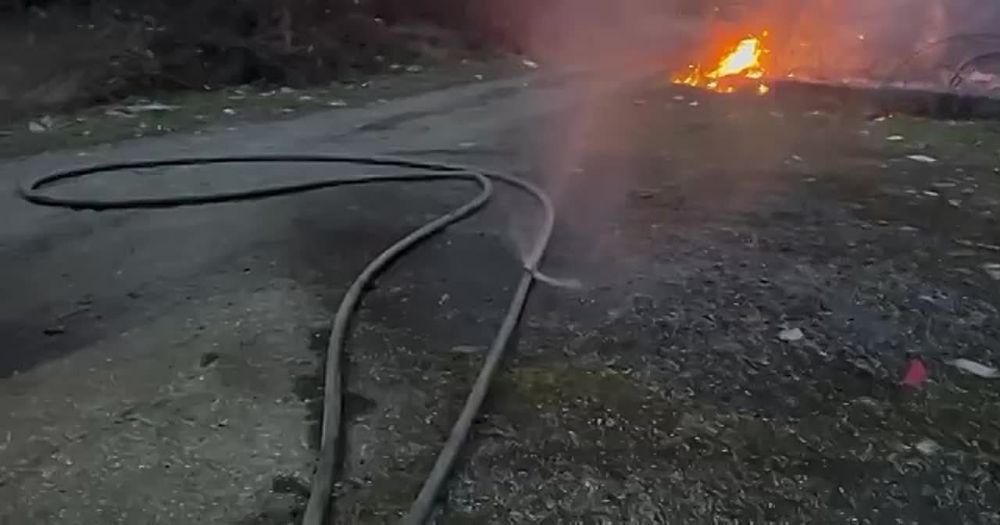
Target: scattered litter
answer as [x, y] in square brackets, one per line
[305, 98]
[928, 447]
[478, 76]
[286, 90]
[955, 203]
[930, 193]
[679, 98]
[468, 349]
[41, 125]
[337, 104]
[993, 270]
[974, 368]
[922, 158]
[414, 68]
[879, 119]
[118, 112]
[791, 335]
[894, 138]
[151, 107]
[288, 110]
[530, 63]
[229, 111]
[694, 103]
[916, 374]
[982, 245]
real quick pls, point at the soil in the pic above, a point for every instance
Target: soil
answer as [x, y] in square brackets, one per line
[170, 389]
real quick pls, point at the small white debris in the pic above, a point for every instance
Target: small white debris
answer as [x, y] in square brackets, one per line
[41, 125]
[530, 63]
[477, 76]
[414, 68]
[468, 349]
[894, 138]
[694, 103]
[928, 447]
[993, 270]
[229, 111]
[974, 368]
[922, 158]
[151, 107]
[286, 90]
[305, 98]
[791, 335]
[337, 104]
[930, 193]
[679, 98]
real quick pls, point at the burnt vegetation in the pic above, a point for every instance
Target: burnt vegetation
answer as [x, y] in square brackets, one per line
[73, 52]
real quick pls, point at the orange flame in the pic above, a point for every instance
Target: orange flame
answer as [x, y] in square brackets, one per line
[742, 61]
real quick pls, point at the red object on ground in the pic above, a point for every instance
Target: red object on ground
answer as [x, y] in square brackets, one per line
[916, 374]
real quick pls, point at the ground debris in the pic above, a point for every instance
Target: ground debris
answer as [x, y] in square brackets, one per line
[916, 373]
[927, 447]
[978, 369]
[993, 270]
[922, 158]
[150, 107]
[791, 335]
[41, 125]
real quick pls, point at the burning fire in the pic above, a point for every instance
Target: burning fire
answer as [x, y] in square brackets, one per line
[738, 64]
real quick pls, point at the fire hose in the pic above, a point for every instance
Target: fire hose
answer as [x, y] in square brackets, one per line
[318, 508]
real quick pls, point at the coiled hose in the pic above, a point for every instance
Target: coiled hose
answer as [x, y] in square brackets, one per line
[319, 505]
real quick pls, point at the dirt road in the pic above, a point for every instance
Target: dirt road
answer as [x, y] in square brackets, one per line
[756, 280]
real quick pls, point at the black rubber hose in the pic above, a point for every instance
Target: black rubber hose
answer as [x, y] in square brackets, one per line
[318, 507]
